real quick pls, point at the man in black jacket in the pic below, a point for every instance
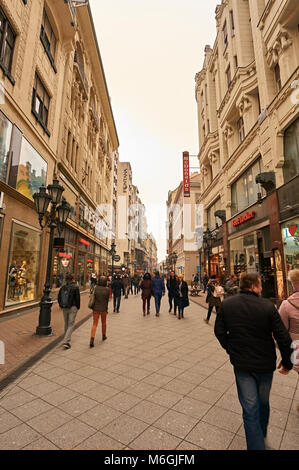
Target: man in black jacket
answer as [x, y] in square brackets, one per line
[69, 301]
[117, 287]
[245, 326]
[171, 287]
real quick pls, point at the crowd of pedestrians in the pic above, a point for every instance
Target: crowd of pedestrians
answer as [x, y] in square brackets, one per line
[249, 327]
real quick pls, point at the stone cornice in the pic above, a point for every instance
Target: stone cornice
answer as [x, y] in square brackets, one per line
[213, 139]
[241, 74]
[265, 13]
[280, 44]
[248, 139]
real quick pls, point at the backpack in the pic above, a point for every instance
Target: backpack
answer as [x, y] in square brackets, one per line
[65, 300]
[218, 291]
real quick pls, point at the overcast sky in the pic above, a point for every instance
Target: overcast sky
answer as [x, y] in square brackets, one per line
[151, 51]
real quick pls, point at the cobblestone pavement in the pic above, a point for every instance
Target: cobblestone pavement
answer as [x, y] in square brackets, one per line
[156, 383]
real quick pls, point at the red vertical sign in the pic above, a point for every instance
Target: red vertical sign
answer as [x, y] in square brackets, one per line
[186, 174]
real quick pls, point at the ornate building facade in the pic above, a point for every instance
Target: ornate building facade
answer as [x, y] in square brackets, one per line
[248, 126]
[55, 119]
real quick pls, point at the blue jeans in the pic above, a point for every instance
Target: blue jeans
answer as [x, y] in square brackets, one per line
[253, 391]
[181, 306]
[158, 298]
[116, 302]
[135, 289]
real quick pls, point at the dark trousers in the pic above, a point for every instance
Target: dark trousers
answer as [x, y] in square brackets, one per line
[210, 311]
[136, 289]
[171, 298]
[253, 392]
[148, 302]
[158, 298]
[181, 306]
[116, 302]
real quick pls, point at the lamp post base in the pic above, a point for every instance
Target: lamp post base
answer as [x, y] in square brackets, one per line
[44, 323]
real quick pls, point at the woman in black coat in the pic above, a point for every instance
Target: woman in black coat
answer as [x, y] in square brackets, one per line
[211, 300]
[181, 296]
[146, 287]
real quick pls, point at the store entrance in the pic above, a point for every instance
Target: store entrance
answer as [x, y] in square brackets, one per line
[266, 271]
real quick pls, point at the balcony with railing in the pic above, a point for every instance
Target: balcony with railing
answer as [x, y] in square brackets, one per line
[81, 74]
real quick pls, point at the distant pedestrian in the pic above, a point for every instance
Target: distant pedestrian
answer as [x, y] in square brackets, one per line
[93, 281]
[100, 308]
[127, 284]
[245, 327]
[69, 301]
[117, 288]
[171, 287]
[136, 281]
[214, 297]
[146, 288]
[181, 296]
[205, 281]
[289, 312]
[158, 290]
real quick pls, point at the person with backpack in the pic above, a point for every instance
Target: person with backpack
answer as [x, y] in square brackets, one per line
[117, 288]
[214, 297]
[69, 302]
[100, 308]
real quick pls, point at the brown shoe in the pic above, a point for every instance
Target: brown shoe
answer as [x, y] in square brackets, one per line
[207, 321]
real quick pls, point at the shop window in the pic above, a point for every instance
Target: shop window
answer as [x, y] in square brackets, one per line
[23, 266]
[211, 219]
[291, 151]
[63, 263]
[28, 171]
[290, 237]
[7, 44]
[244, 191]
[5, 138]
[40, 103]
[48, 39]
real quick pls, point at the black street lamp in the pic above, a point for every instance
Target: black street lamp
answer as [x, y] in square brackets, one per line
[57, 217]
[208, 238]
[112, 253]
[174, 258]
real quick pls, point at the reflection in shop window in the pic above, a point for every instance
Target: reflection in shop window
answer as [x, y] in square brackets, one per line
[23, 265]
[290, 237]
[62, 265]
[5, 137]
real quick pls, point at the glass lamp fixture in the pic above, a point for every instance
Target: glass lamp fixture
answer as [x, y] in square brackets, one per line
[55, 191]
[63, 211]
[41, 200]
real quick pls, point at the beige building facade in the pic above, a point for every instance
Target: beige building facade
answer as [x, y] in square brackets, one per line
[55, 119]
[248, 126]
[183, 223]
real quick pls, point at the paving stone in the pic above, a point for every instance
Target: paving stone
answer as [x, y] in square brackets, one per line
[59, 396]
[210, 437]
[41, 444]
[123, 401]
[142, 389]
[18, 437]
[44, 388]
[155, 439]
[238, 443]
[67, 379]
[157, 379]
[230, 402]
[101, 393]
[83, 385]
[8, 421]
[99, 416]
[290, 441]
[30, 381]
[215, 384]
[179, 386]
[120, 383]
[31, 409]
[99, 441]
[184, 445]
[17, 399]
[78, 405]
[293, 423]
[70, 434]
[223, 418]
[125, 429]
[49, 421]
[164, 397]
[206, 395]
[177, 424]
[147, 411]
[192, 407]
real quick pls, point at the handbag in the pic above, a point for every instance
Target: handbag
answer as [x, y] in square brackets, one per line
[92, 299]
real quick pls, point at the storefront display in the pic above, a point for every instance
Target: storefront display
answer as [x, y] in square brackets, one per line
[290, 237]
[63, 263]
[23, 265]
[81, 269]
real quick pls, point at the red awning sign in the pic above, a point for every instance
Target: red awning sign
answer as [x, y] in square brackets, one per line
[243, 218]
[84, 242]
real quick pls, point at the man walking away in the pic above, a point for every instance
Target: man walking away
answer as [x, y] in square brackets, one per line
[205, 281]
[159, 290]
[136, 281]
[171, 287]
[127, 283]
[244, 327]
[231, 286]
[69, 301]
[117, 287]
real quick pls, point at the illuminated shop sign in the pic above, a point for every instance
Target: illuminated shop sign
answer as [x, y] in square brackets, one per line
[243, 218]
